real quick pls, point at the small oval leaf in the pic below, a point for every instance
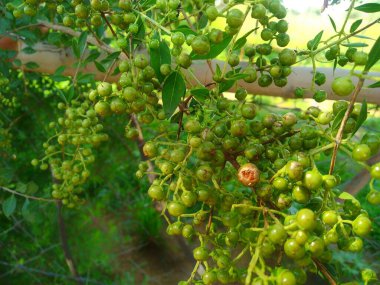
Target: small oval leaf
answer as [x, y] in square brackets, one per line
[173, 90]
[9, 206]
[369, 8]
[355, 25]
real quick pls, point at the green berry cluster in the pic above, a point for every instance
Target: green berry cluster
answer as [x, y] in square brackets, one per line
[283, 205]
[341, 86]
[69, 152]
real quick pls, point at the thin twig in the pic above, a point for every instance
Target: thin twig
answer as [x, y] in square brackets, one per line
[140, 144]
[50, 274]
[109, 70]
[26, 196]
[109, 25]
[90, 39]
[79, 65]
[341, 39]
[64, 243]
[188, 20]
[339, 135]
[324, 271]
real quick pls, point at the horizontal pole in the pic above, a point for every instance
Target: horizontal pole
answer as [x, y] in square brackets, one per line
[49, 58]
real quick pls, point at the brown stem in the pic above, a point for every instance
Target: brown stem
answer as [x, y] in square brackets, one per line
[109, 25]
[64, 243]
[140, 144]
[26, 196]
[182, 109]
[231, 159]
[71, 32]
[324, 271]
[339, 135]
[188, 20]
[112, 31]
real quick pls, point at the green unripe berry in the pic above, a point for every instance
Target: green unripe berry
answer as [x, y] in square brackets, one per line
[287, 57]
[201, 45]
[102, 108]
[235, 18]
[212, 13]
[343, 86]
[360, 58]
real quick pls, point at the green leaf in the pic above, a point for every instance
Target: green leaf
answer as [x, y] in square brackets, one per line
[75, 47]
[355, 25]
[17, 62]
[9, 206]
[332, 23]
[218, 70]
[54, 38]
[84, 78]
[100, 67]
[186, 30]
[31, 65]
[21, 187]
[59, 78]
[231, 77]
[59, 70]
[173, 90]
[215, 50]
[32, 187]
[347, 196]
[116, 71]
[316, 40]
[201, 94]
[94, 54]
[202, 21]
[362, 117]
[82, 42]
[111, 57]
[25, 209]
[236, 76]
[374, 85]
[243, 40]
[335, 65]
[363, 37]
[28, 50]
[369, 8]
[160, 56]
[374, 55]
[61, 95]
[71, 92]
[338, 119]
[355, 45]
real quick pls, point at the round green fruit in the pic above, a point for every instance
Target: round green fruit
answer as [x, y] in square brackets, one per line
[343, 86]
[287, 57]
[201, 45]
[235, 18]
[362, 226]
[176, 209]
[305, 219]
[200, 253]
[361, 152]
[313, 179]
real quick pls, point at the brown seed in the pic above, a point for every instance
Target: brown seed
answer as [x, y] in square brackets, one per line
[249, 174]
